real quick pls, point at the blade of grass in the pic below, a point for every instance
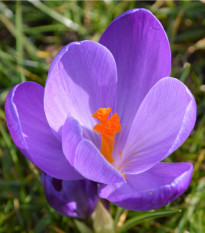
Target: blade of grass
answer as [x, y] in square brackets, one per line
[11, 28]
[45, 221]
[122, 219]
[14, 157]
[117, 216]
[19, 41]
[196, 198]
[5, 10]
[45, 28]
[141, 218]
[185, 72]
[55, 15]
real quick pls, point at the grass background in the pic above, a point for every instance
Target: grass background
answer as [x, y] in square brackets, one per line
[31, 33]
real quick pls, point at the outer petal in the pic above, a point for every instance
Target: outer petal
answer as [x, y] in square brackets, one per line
[163, 122]
[141, 50]
[152, 189]
[81, 80]
[71, 198]
[30, 131]
[85, 157]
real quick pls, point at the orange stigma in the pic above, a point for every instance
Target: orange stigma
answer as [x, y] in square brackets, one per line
[107, 128]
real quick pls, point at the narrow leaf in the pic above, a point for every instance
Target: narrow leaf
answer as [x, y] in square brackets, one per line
[141, 218]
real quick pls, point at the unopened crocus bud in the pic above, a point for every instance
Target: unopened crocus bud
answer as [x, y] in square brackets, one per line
[72, 198]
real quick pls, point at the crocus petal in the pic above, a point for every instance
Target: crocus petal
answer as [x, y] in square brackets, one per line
[30, 131]
[85, 157]
[152, 189]
[81, 80]
[141, 50]
[72, 198]
[163, 122]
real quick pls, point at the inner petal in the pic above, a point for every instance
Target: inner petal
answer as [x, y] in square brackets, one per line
[108, 127]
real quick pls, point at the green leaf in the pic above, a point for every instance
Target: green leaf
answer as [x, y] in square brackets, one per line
[185, 72]
[55, 15]
[82, 227]
[43, 224]
[117, 216]
[102, 220]
[19, 41]
[147, 216]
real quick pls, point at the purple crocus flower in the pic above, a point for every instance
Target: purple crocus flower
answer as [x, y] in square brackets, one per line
[66, 131]
[73, 198]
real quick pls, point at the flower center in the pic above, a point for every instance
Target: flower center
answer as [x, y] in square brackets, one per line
[108, 127]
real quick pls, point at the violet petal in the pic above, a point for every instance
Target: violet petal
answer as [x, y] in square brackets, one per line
[85, 157]
[152, 189]
[163, 122]
[72, 198]
[81, 80]
[31, 133]
[141, 50]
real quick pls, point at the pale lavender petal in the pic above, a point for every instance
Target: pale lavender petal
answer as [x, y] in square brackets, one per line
[152, 189]
[81, 80]
[163, 122]
[85, 157]
[31, 133]
[141, 50]
[71, 198]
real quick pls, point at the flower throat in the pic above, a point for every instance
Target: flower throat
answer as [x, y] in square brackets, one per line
[108, 127]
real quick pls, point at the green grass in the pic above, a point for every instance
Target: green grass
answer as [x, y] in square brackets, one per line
[31, 33]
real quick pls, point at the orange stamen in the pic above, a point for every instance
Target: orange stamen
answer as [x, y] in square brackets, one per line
[107, 128]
